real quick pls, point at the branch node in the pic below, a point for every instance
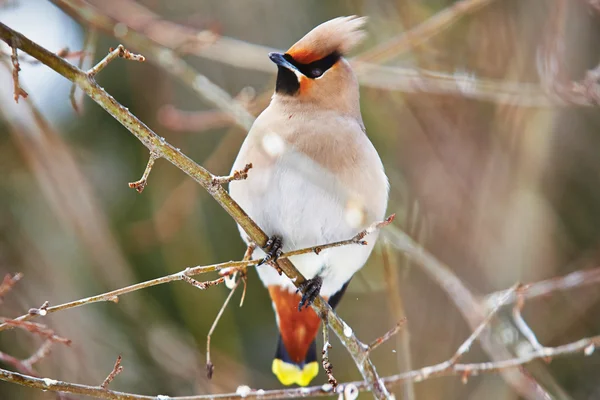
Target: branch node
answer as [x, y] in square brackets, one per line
[143, 181]
[237, 175]
[117, 369]
[43, 310]
[120, 51]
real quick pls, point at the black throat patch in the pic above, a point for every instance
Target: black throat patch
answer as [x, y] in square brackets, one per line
[287, 82]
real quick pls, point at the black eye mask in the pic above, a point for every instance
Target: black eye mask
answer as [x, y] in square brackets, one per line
[316, 68]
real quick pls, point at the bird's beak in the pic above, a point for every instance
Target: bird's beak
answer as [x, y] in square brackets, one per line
[278, 59]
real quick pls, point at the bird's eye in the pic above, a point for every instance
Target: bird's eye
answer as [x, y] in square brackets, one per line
[316, 72]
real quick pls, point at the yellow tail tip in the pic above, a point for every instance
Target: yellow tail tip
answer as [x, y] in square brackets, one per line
[289, 374]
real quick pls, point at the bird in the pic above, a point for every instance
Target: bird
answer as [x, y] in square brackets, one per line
[316, 178]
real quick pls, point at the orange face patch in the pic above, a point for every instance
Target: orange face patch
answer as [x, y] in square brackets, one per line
[304, 56]
[305, 84]
[298, 328]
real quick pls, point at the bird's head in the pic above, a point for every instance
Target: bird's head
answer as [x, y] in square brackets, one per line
[314, 70]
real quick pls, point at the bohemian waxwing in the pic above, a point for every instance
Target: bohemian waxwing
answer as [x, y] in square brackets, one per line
[316, 179]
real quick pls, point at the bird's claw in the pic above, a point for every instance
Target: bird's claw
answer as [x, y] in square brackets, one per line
[273, 248]
[310, 289]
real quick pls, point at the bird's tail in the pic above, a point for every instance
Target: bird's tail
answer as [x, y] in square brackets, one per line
[289, 372]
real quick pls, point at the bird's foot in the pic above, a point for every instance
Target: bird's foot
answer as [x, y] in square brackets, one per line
[310, 289]
[273, 248]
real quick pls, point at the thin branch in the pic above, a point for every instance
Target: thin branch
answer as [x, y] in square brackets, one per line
[387, 336]
[14, 58]
[356, 239]
[234, 176]
[140, 184]
[120, 51]
[210, 367]
[325, 358]
[117, 369]
[570, 281]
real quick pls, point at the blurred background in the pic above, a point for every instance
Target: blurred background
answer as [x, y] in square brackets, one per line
[493, 169]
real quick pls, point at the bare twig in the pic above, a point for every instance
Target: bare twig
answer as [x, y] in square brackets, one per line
[113, 296]
[202, 285]
[117, 369]
[210, 367]
[120, 51]
[325, 358]
[235, 176]
[14, 58]
[387, 336]
[8, 282]
[41, 353]
[585, 346]
[140, 184]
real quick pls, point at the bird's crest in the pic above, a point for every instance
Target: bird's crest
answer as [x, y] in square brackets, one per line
[337, 35]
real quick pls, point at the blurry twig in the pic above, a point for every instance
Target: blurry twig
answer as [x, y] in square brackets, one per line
[89, 44]
[392, 271]
[570, 281]
[8, 282]
[522, 325]
[387, 336]
[423, 32]
[161, 50]
[117, 369]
